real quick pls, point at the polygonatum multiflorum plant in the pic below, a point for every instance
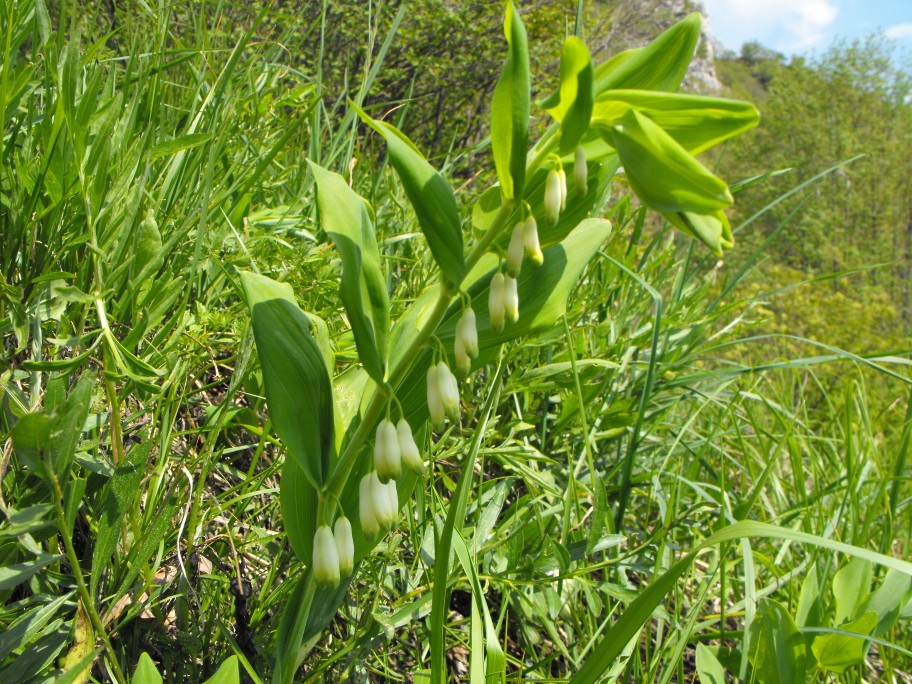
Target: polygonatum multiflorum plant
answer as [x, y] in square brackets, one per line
[505, 272]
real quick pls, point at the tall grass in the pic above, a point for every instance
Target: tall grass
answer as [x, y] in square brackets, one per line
[141, 169]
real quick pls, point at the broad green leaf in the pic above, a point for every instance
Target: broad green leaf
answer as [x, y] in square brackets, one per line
[227, 673]
[713, 230]
[662, 173]
[888, 599]
[695, 122]
[851, 585]
[808, 612]
[344, 216]
[838, 652]
[660, 65]
[298, 499]
[510, 110]
[431, 197]
[779, 653]
[146, 672]
[572, 104]
[709, 669]
[298, 390]
[46, 442]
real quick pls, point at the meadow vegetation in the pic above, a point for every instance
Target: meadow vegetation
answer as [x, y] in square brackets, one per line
[672, 467]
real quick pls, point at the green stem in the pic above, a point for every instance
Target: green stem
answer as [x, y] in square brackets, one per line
[339, 476]
[81, 588]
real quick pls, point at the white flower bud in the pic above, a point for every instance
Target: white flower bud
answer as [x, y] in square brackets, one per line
[435, 405]
[463, 362]
[553, 197]
[530, 241]
[496, 302]
[345, 545]
[449, 391]
[511, 299]
[370, 526]
[563, 186]
[580, 171]
[469, 332]
[387, 460]
[515, 250]
[325, 557]
[385, 501]
[410, 454]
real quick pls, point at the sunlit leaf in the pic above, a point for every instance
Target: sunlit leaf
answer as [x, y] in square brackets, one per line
[780, 652]
[839, 652]
[572, 103]
[345, 217]
[510, 109]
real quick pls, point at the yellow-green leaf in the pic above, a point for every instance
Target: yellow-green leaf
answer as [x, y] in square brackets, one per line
[572, 103]
[510, 109]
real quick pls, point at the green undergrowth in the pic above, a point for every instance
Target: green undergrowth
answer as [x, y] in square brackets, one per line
[144, 168]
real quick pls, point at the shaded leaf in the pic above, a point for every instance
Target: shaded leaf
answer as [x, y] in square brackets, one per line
[780, 652]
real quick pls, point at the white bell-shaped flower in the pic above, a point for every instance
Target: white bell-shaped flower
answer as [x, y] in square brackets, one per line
[511, 299]
[580, 171]
[553, 197]
[325, 557]
[530, 241]
[449, 391]
[345, 545]
[515, 250]
[367, 512]
[387, 459]
[496, 302]
[411, 456]
[435, 403]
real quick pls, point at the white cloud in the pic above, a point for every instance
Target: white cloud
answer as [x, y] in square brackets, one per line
[787, 25]
[899, 31]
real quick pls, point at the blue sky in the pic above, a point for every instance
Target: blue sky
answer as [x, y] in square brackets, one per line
[804, 26]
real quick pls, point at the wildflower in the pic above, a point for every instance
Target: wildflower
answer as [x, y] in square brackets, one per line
[449, 391]
[387, 459]
[370, 525]
[325, 557]
[469, 332]
[496, 302]
[511, 299]
[385, 501]
[435, 404]
[553, 197]
[408, 448]
[345, 545]
[563, 187]
[580, 171]
[530, 241]
[465, 346]
[515, 250]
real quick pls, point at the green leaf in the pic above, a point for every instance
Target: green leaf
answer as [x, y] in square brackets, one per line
[709, 669]
[713, 230]
[431, 197]
[298, 499]
[838, 652]
[298, 390]
[344, 215]
[146, 672]
[25, 628]
[851, 585]
[117, 496]
[888, 599]
[808, 612]
[46, 442]
[780, 652]
[572, 104]
[660, 65]
[510, 109]
[179, 144]
[227, 673]
[693, 121]
[662, 173]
